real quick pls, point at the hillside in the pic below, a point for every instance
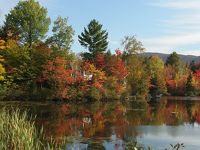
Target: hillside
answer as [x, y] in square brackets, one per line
[185, 58]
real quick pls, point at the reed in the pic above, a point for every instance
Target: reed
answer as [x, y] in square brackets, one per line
[18, 132]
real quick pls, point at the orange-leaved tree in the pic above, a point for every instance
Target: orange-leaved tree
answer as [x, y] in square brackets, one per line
[94, 81]
[57, 75]
[116, 72]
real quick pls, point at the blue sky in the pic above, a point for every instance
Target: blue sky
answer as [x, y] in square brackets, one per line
[161, 25]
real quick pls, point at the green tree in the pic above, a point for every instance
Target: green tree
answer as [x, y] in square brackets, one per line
[132, 45]
[94, 38]
[173, 60]
[138, 80]
[19, 59]
[190, 88]
[3, 35]
[62, 37]
[155, 67]
[177, 64]
[25, 66]
[29, 21]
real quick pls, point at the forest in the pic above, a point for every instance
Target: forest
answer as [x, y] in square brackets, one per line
[36, 65]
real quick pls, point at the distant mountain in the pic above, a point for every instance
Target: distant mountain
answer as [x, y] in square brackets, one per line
[185, 58]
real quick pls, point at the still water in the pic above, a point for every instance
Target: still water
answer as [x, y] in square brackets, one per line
[113, 125]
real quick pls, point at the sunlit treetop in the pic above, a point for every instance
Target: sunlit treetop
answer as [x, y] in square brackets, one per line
[29, 21]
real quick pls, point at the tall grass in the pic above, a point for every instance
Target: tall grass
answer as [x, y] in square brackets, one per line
[18, 132]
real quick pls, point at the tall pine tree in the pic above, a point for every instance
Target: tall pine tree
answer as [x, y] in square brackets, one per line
[94, 38]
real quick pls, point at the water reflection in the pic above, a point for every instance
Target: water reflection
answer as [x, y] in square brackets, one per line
[112, 125]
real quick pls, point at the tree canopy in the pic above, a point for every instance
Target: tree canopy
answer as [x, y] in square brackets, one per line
[94, 38]
[132, 45]
[62, 37]
[173, 59]
[39, 68]
[28, 22]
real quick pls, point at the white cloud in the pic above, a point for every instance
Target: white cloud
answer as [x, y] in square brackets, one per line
[168, 44]
[182, 28]
[174, 40]
[184, 20]
[179, 4]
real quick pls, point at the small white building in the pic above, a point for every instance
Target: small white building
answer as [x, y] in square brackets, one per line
[87, 76]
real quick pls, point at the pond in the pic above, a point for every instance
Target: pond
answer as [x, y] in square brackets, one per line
[113, 125]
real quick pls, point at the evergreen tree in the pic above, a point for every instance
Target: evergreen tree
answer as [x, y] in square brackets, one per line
[94, 38]
[190, 89]
[192, 66]
[173, 60]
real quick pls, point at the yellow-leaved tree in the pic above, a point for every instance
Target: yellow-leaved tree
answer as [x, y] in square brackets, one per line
[2, 69]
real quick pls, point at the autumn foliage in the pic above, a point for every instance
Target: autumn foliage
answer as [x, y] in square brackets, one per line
[34, 68]
[2, 69]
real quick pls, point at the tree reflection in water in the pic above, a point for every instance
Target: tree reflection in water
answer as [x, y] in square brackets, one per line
[114, 124]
